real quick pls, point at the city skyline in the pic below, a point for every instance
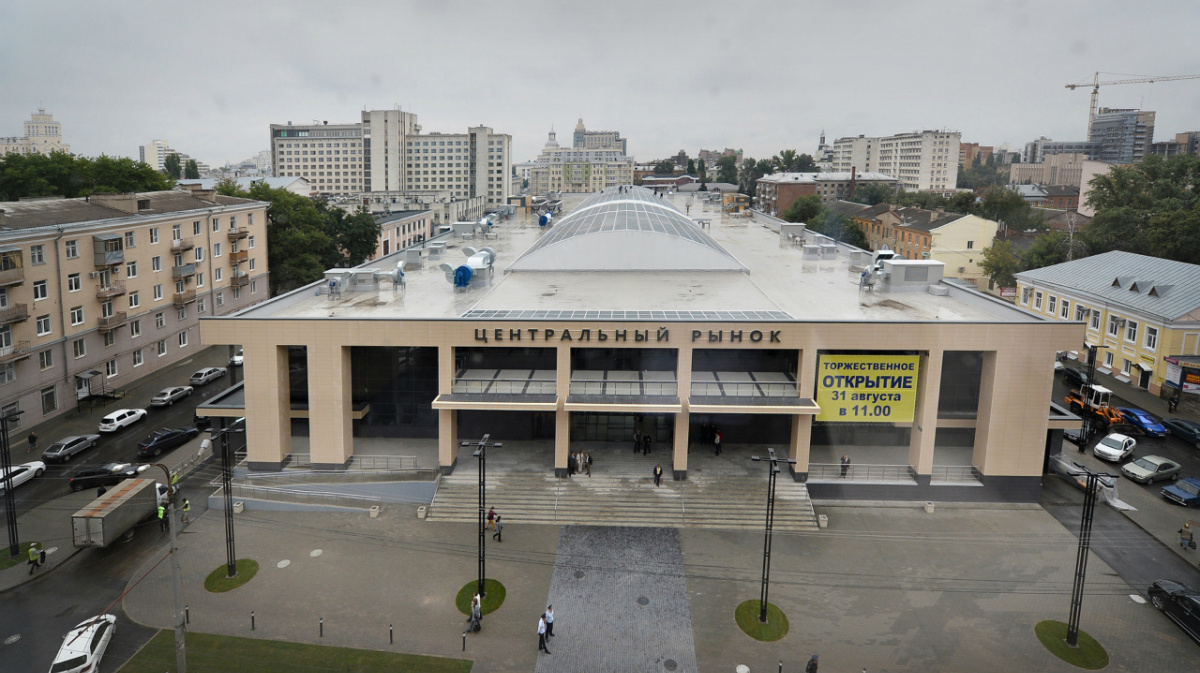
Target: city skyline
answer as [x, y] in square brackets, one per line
[764, 79]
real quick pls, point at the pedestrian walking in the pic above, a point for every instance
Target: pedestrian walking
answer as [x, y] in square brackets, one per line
[1173, 403]
[187, 511]
[499, 530]
[587, 463]
[35, 556]
[658, 475]
[570, 464]
[476, 618]
[542, 635]
[163, 522]
[637, 440]
[491, 519]
[811, 666]
[717, 441]
[1186, 539]
[845, 466]
[549, 617]
[32, 439]
[647, 444]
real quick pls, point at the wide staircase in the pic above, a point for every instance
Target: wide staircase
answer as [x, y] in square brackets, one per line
[614, 497]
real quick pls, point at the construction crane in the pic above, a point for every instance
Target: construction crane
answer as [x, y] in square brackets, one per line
[1096, 84]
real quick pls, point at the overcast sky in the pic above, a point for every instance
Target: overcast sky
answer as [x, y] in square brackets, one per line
[209, 77]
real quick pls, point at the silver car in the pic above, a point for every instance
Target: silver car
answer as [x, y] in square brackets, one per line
[1149, 469]
[62, 450]
[207, 375]
[168, 396]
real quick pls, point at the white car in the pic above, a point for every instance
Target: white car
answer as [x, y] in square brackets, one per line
[121, 418]
[84, 645]
[168, 396]
[1114, 448]
[206, 375]
[236, 360]
[22, 473]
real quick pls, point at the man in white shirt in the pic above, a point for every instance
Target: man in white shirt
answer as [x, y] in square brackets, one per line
[542, 635]
[549, 617]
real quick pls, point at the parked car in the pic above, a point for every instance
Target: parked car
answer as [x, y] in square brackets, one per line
[84, 645]
[168, 396]
[105, 475]
[236, 360]
[1073, 375]
[1114, 448]
[1179, 602]
[202, 422]
[165, 440]
[22, 473]
[207, 375]
[1149, 469]
[1184, 492]
[1188, 431]
[121, 418]
[1143, 421]
[62, 450]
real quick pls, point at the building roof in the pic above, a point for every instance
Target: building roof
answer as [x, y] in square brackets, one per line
[926, 220]
[1061, 190]
[245, 182]
[847, 208]
[1153, 286]
[31, 213]
[844, 176]
[630, 230]
[397, 215]
[712, 187]
[873, 211]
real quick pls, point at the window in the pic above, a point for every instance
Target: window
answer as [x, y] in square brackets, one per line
[1025, 294]
[1126, 365]
[253, 286]
[216, 249]
[199, 254]
[40, 290]
[179, 287]
[37, 254]
[1108, 359]
[252, 263]
[216, 224]
[160, 320]
[137, 358]
[8, 374]
[77, 315]
[135, 329]
[1151, 338]
[1095, 324]
[201, 306]
[218, 274]
[46, 359]
[183, 313]
[1066, 310]
[129, 240]
[154, 235]
[200, 279]
[1081, 313]
[110, 339]
[196, 228]
[71, 248]
[156, 263]
[183, 339]
[220, 299]
[79, 347]
[131, 270]
[13, 411]
[1131, 331]
[1052, 305]
[73, 283]
[970, 245]
[251, 242]
[49, 400]
[134, 300]
[43, 325]
[110, 368]
[177, 232]
[158, 295]
[1114, 325]
[1037, 301]
[161, 346]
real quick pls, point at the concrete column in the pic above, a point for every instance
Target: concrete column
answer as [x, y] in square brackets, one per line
[330, 406]
[799, 446]
[447, 440]
[683, 379]
[924, 428]
[268, 406]
[991, 417]
[562, 417]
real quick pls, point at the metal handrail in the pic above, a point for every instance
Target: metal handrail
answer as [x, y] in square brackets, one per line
[743, 389]
[861, 472]
[955, 474]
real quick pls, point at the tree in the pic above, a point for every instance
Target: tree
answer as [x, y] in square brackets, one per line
[873, 193]
[1004, 205]
[354, 237]
[1151, 208]
[172, 166]
[192, 170]
[962, 202]
[62, 174]
[727, 169]
[804, 209]
[229, 187]
[791, 161]
[1048, 249]
[664, 167]
[703, 171]
[691, 167]
[1001, 263]
[750, 172]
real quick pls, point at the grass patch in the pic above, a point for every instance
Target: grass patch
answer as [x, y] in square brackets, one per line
[776, 627]
[208, 653]
[1089, 654]
[491, 602]
[218, 581]
[7, 561]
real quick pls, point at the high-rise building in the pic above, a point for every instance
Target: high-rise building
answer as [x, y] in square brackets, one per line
[155, 155]
[1125, 136]
[43, 135]
[598, 140]
[1184, 143]
[577, 169]
[921, 160]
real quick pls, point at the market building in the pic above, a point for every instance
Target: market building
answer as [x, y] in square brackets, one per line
[625, 316]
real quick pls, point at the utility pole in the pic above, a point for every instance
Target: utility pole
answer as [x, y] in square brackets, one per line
[176, 589]
[10, 503]
[227, 488]
[480, 453]
[772, 473]
[1085, 538]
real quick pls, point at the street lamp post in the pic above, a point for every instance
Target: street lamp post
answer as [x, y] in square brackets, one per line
[480, 453]
[10, 503]
[772, 472]
[176, 588]
[227, 488]
[1085, 539]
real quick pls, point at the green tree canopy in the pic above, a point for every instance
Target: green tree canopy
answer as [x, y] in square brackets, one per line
[791, 161]
[1001, 263]
[172, 167]
[873, 193]
[804, 209]
[664, 167]
[192, 170]
[354, 237]
[1005, 205]
[1151, 208]
[62, 174]
[727, 169]
[691, 167]
[703, 171]
[750, 172]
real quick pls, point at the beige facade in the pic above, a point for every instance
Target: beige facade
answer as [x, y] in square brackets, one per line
[1058, 169]
[120, 291]
[43, 135]
[578, 169]
[921, 160]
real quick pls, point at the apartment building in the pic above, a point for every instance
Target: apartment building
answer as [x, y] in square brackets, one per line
[599, 140]
[97, 292]
[1060, 169]
[1184, 143]
[921, 160]
[968, 151]
[155, 154]
[1125, 136]
[1138, 310]
[43, 135]
[777, 192]
[954, 239]
[386, 152]
[399, 230]
[575, 169]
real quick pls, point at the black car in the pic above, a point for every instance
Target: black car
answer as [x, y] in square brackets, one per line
[165, 440]
[105, 475]
[1180, 602]
[1075, 376]
[1188, 431]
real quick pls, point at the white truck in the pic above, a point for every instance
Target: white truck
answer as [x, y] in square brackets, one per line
[108, 517]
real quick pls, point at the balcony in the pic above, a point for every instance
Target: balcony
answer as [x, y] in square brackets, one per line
[113, 289]
[238, 233]
[17, 351]
[14, 313]
[239, 257]
[113, 321]
[240, 280]
[103, 259]
[182, 299]
[183, 271]
[182, 244]
[14, 276]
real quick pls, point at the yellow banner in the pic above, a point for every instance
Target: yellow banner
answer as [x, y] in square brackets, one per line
[867, 388]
